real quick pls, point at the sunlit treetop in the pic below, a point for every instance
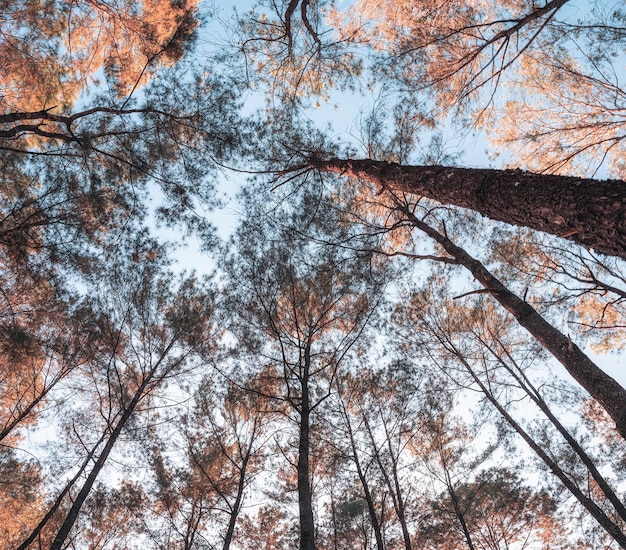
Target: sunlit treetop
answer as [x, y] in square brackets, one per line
[293, 50]
[51, 51]
[543, 79]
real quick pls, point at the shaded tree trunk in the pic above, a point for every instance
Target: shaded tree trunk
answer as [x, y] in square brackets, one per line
[234, 513]
[594, 510]
[392, 485]
[371, 509]
[457, 507]
[127, 413]
[576, 447]
[59, 500]
[602, 387]
[72, 515]
[589, 212]
[307, 526]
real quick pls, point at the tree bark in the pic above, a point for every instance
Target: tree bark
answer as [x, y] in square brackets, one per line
[59, 500]
[72, 515]
[589, 212]
[401, 508]
[602, 387]
[596, 511]
[532, 392]
[458, 512]
[307, 526]
[234, 512]
[128, 411]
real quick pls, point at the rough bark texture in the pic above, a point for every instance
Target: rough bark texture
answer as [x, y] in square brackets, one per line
[589, 212]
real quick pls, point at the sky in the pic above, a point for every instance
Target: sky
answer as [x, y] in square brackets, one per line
[342, 110]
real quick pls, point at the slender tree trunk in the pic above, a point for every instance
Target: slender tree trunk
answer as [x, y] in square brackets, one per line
[72, 515]
[192, 525]
[371, 509]
[596, 512]
[234, 512]
[307, 526]
[59, 500]
[396, 481]
[589, 212]
[455, 502]
[128, 411]
[461, 517]
[394, 488]
[534, 395]
[602, 387]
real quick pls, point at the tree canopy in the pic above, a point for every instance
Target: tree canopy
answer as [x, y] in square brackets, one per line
[392, 347]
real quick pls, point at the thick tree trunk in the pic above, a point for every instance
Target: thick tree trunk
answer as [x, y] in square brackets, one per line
[589, 212]
[307, 526]
[602, 387]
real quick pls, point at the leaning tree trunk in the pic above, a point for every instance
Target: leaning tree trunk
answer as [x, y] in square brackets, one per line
[579, 493]
[371, 509]
[72, 515]
[602, 387]
[589, 212]
[128, 411]
[236, 507]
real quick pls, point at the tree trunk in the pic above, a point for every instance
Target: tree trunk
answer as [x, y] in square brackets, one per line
[307, 527]
[457, 507]
[596, 512]
[398, 489]
[602, 387]
[532, 392]
[394, 488]
[589, 212]
[234, 512]
[371, 509]
[72, 515]
[59, 500]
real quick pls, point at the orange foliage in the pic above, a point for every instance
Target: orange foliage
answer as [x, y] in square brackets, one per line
[603, 320]
[21, 502]
[53, 51]
[531, 74]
